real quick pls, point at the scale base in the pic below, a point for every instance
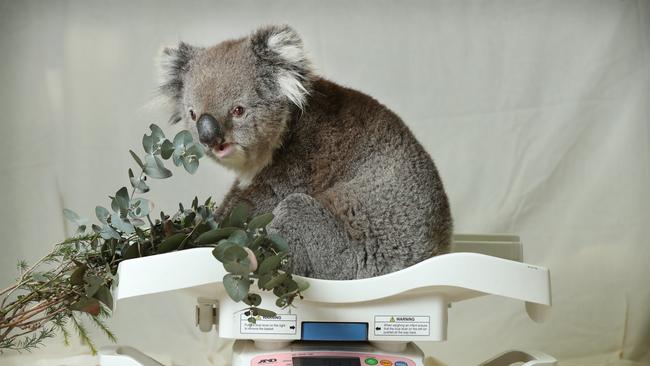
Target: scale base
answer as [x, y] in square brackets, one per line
[246, 353]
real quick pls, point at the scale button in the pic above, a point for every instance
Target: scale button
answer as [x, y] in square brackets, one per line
[371, 361]
[385, 363]
[400, 363]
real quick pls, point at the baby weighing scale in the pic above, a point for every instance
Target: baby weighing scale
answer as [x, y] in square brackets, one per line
[367, 322]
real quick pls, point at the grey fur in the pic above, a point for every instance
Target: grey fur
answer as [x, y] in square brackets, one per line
[352, 190]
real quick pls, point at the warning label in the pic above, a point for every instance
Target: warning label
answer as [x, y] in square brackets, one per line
[402, 325]
[279, 324]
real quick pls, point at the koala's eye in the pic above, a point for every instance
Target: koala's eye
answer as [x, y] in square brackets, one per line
[192, 115]
[238, 111]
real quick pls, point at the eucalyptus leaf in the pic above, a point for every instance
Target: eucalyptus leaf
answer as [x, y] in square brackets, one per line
[275, 281]
[190, 163]
[166, 149]
[235, 253]
[260, 221]
[148, 144]
[107, 232]
[265, 313]
[270, 264]
[239, 237]
[236, 287]
[213, 236]
[138, 183]
[92, 285]
[87, 305]
[104, 296]
[122, 224]
[278, 243]
[253, 299]
[71, 215]
[239, 215]
[182, 139]
[238, 268]
[102, 214]
[77, 276]
[171, 243]
[139, 207]
[219, 251]
[196, 150]
[155, 168]
[137, 159]
[131, 252]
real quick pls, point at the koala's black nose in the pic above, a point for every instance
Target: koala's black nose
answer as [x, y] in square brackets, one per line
[210, 133]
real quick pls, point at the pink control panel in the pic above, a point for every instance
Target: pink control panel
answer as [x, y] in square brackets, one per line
[330, 358]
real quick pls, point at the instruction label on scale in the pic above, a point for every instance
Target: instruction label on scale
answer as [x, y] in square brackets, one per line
[402, 325]
[279, 324]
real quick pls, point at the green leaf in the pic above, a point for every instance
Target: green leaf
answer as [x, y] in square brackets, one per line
[104, 296]
[131, 252]
[171, 243]
[238, 215]
[122, 224]
[278, 243]
[239, 237]
[260, 221]
[253, 300]
[156, 132]
[302, 284]
[93, 284]
[71, 215]
[219, 251]
[236, 287]
[235, 253]
[182, 139]
[139, 207]
[77, 276]
[252, 320]
[107, 232]
[190, 163]
[102, 214]
[238, 268]
[213, 236]
[195, 150]
[270, 264]
[275, 281]
[166, 149]
[137, 159]
[138, 183]
[155, 168]
[265, 313]
[120, 202]
[148, 144]
[87, 305]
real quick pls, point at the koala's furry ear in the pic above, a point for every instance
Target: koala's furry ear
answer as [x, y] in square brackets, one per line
[174, 63]
[281, 46]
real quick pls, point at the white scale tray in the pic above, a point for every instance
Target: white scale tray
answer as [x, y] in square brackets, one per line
[423, 291]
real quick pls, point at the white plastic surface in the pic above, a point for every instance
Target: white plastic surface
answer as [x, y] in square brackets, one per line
[423, 290]
[124, 356]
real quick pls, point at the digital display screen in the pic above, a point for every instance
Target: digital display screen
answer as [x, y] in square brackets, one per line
[326, 361]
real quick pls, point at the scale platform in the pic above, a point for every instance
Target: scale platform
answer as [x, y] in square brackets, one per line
[345, 323]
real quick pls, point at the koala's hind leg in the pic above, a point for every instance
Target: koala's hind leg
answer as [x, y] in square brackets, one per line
[317, 241]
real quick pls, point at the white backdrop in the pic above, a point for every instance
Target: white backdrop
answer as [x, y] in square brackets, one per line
[536, 113]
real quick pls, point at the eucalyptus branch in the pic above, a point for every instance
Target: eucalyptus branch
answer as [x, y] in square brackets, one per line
[76, 276]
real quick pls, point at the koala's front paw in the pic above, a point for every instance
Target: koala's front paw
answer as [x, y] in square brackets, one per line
[318, 244]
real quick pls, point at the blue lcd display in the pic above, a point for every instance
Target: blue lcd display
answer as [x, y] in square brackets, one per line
[315, 331]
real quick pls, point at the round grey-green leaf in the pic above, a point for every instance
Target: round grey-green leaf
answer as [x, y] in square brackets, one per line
[236, 287]
[269, 264]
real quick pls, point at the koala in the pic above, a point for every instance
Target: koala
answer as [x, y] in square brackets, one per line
[351, 189]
